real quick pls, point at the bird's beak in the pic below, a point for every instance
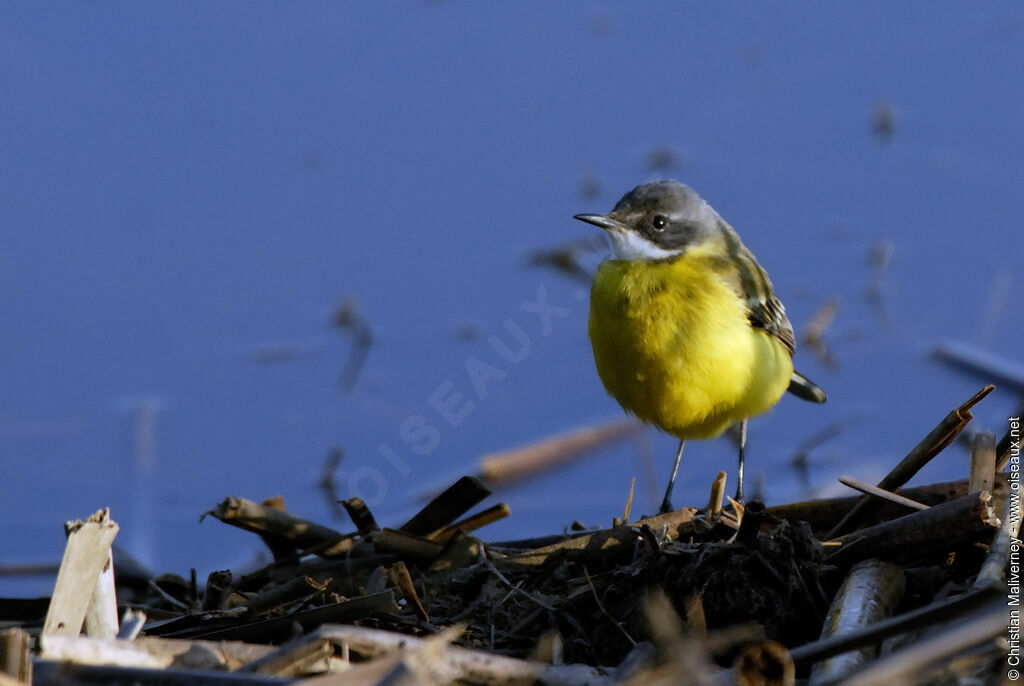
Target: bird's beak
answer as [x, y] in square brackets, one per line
[604, 221]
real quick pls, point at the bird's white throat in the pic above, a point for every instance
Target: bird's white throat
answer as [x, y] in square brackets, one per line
[633, 247]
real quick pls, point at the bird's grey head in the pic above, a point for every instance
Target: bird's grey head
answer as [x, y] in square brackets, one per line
[656, 221]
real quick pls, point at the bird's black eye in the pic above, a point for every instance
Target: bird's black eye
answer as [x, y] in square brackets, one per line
[659, 222]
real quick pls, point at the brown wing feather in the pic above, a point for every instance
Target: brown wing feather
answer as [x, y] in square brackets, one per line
[749, 280]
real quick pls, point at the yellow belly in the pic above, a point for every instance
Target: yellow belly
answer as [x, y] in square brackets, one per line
[673, 346]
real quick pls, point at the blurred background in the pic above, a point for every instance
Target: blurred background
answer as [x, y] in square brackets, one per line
[245, 244]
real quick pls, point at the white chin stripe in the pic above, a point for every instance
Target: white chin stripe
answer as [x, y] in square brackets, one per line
[629, 245]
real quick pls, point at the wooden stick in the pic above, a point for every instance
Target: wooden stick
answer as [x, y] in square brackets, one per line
[993, 570]
[400, 577]
[931, 531]
[823, 513]
[906, 665]
[629, 501]
[983, 462]
[717, 494]
[923, 452]
[49, 673]
[215, 593]
[508, 466]
[942, 611]
[132, 622]
[406, 546]
[422, 664]
[15, 658]
[101, 619]
[870, 592]
[984, 364]
[473, 522]
[475, 666]
[461, 550]
[602, 543]
[274, 628]
[260, 519]
[299, 588]
[293, 658]
[361, 516]
[452, 503]
[86, 554]
[751, 515]
[280, 548]
[150, 652]
[882, 494]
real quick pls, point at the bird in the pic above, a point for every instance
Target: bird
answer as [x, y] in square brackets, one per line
[686, 329]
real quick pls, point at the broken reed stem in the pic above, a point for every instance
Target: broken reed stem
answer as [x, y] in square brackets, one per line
[361, 516]
[934, 443]
[149, 652]
[406, 546]
[86, 555]
[993, 570]
[983, 462]
[293, 658]
[473, 666]
[823, 513]
[907, 665]
[942, 611]
[603, 543]
[717, 495]
[473, 522]
[299, 588]
[101, 620]
[629, 501]
[870, 592]
[446, 507]
[931, 531]
[881, 494]
[260, 519]
[279, 548]
[16, 654]
[400, 577]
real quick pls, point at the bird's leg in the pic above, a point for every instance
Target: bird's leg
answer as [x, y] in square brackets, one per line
[739, 473]
[666, 504]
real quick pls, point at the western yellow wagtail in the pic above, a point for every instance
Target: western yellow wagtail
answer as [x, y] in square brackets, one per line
[686, 329]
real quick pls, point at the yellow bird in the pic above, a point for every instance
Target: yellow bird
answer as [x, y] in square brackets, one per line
[686, 329]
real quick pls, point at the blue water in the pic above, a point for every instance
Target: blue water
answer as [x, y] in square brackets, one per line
[189, 189]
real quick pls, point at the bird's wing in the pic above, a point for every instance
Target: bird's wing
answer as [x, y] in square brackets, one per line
[749, 280]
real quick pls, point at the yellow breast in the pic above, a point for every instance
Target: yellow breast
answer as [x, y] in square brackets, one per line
[673, 346]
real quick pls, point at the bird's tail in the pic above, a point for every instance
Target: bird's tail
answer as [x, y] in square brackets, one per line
[805, 389]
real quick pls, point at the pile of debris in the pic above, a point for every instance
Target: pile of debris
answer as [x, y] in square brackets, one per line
[881, 588]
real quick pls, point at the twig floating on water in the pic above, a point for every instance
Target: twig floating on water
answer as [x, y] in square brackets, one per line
[347, 319]
[516, 464]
